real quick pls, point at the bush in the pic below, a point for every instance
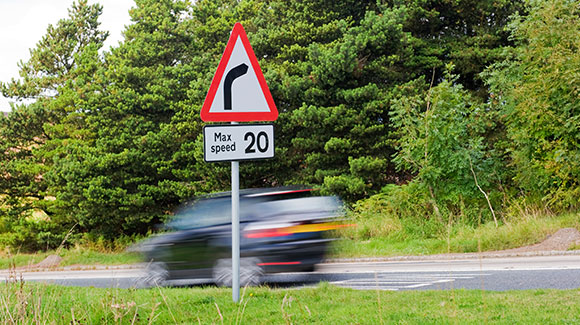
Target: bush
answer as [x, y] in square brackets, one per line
[32, 234]
[401, 212]
[441, 139]
[99, 243]
[538, 94]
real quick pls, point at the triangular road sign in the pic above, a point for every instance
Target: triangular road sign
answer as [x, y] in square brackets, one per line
[238, 91]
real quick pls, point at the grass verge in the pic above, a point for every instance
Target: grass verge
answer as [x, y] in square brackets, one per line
[30, 303]
[73, 256]
[402, 237]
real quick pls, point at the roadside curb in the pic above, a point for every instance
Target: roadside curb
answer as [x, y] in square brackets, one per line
[452, 256]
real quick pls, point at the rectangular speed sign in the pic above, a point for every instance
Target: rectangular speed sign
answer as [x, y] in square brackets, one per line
[238, 142]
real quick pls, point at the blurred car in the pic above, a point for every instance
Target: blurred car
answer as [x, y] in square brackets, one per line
[282, 229]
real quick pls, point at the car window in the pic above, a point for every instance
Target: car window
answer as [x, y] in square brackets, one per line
[211, 212]
[203, 213]
[316, 204]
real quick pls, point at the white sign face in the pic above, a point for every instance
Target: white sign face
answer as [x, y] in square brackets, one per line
[238, 142]
[242, 92]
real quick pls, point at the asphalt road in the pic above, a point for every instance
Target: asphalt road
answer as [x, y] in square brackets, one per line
[497, 274]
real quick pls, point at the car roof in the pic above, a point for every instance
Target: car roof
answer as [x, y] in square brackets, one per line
[261, 192]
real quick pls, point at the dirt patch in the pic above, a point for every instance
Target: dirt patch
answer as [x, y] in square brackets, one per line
[50, 261]
[561, 240]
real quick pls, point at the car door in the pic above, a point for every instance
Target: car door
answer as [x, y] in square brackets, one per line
[198, 228]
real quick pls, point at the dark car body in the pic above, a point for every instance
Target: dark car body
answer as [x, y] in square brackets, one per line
[281, 230]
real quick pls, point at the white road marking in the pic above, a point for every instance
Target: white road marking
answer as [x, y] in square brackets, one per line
[386, 281]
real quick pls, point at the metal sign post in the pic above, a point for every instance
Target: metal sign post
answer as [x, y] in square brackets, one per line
[235, 230]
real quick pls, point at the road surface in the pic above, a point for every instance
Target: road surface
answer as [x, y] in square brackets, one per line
[497, 274]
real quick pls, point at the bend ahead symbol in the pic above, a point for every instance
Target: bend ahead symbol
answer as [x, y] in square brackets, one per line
[234, 73]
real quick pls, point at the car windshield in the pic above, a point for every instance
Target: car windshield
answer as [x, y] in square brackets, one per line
[210, 212]
[203, 213]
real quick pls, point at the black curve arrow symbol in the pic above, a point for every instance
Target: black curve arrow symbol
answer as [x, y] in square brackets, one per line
[232, 75]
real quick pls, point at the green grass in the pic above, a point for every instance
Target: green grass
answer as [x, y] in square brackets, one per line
[411, 239]
[73, 256]
[325, 304]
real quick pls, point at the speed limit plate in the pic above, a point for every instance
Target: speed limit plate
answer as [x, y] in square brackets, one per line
[238, 142]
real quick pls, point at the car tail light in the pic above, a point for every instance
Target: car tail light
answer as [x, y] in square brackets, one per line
[289, 229]
[267, 233]
[279, 263]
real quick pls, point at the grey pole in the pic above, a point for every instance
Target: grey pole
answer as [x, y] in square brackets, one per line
[235, 230]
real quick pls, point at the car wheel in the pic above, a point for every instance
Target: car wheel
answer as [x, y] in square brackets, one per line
[155, 274]
[250, 272]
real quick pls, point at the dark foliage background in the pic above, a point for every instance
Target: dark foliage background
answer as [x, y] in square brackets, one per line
[446, 109]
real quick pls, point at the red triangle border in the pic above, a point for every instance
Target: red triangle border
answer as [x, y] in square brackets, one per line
[208, 116]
